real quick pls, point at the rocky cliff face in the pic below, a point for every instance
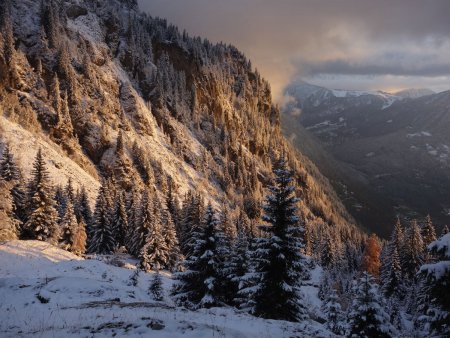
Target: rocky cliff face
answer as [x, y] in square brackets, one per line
[111, 91]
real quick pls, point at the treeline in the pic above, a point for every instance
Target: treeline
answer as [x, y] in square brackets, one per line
[403, 281]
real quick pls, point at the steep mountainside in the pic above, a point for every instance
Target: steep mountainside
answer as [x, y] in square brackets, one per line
[384, 160]
[82, 79]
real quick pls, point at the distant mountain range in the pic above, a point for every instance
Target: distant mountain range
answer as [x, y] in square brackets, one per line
[386, 154]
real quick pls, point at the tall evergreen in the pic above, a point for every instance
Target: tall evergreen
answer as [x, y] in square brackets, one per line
[82, 209]
[279, 265]
[171, 240]
[9, 170]
[120, 220]
[101, 238]
[143, 224]
[69, 227]
[429, 236]
[367, 317]
[391, 266]
[154, 254]
[42, 220]
[198, 285]
[412, 253]
[334, 315]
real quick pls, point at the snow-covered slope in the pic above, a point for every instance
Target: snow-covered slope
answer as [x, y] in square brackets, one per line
[48, 292]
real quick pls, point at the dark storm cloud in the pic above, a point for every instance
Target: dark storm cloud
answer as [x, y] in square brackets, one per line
[285, 38]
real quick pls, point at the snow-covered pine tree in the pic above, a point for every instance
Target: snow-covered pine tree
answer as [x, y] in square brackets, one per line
[60, 202]
[279, 264]
[154, 254]
[392, 280]
[170, 238]
[192, 217]
[9, 171]
[69, 227]
[429, 236]
[143, 221]
[120, 220]
[197, 286]
[333, 312]
[42, 220]
[237, 264]
[156, 288]
[412, 255]
[132, 204]
[101, 237]
[437, 277]
[367, 317]
[82, 209]
[8, 225]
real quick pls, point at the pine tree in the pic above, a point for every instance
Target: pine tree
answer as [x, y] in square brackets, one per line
[69, 227]
[428, 232]
[197, 286]
[154, 254]
[132, 204]
[333, 313]
[60, 202]
[171, 240]
[8, 225]
[83, 209]
[192, 214]
[437, 277]
[42, 220]
[156, 289]
[429, 236]
[101, 237]
[412, 255]
[9, 170]
[367, 317]
[120, 221]
[279, 265]
[237, 265]
[143, 223]
[392, 281]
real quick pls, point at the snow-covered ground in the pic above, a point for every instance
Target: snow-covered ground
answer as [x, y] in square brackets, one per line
[48, 292]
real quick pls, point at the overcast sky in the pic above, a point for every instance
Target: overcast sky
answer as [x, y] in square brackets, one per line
[343, 44]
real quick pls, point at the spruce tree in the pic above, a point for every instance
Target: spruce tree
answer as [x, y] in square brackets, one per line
[42, 220]
[367, 317]
[412, 254]
[83, 209]
[237, 265]
[154, 254]
[143, 223]
[69, 228]
[156, 288]
[101, 238]
[444, 231]
[120, 220]
[171, 240]
[9, 170]
[333, 313]
[198, 285]
[279, 265]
